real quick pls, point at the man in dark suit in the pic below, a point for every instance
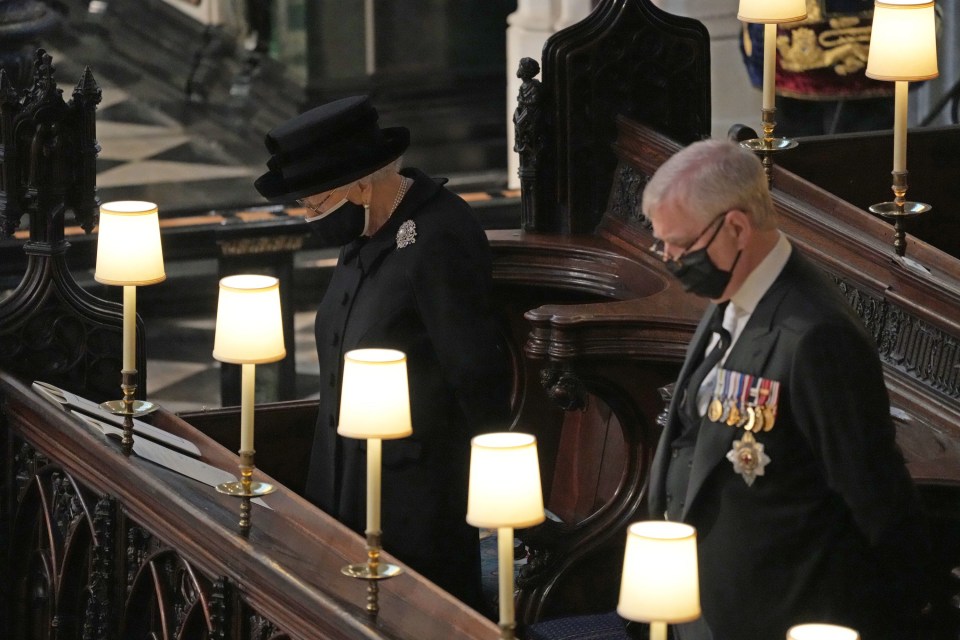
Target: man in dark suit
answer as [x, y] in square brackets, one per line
[779, 446]
[414, 275]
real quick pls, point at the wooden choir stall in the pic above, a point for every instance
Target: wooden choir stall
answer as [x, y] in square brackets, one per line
[102, 544]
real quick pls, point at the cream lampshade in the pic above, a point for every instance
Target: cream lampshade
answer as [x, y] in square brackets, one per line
[505, 492]
[374, 397]
[504, 481]
[903, 41]
[249, 326]
[821, 632]
[660, 582]
[771, 11]
[129, 251]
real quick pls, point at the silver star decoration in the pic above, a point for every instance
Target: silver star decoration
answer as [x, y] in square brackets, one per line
[406, 234]
[748, 458]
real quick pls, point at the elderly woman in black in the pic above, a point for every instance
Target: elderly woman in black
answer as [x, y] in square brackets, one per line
[414, 274]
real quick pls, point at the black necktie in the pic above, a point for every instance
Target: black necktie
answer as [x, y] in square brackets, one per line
[689, 409]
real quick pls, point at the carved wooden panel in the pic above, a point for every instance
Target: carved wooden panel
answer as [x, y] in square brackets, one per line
[82, 568]
[50, 328]
[110, 545]
[627, 58]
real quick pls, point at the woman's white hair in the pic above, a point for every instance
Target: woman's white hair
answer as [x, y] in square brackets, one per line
[385, 171]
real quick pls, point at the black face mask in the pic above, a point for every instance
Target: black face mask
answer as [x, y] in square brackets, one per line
[341, 227]
[697, 272]
[700, 276]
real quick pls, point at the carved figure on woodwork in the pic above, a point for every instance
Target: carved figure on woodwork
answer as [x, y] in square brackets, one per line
[527, 118]
[528, 141]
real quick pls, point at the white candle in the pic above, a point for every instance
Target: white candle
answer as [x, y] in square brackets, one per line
[373, 484]
[505, 564]
[129, 328]
[247, 402]
[658, 631]
[769, 64]
[900, 127]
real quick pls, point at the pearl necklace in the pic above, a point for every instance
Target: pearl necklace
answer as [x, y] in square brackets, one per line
[401, 191]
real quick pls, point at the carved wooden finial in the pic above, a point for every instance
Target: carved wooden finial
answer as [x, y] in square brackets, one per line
[87, 90]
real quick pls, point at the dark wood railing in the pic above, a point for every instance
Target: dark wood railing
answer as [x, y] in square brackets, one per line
[109, 545]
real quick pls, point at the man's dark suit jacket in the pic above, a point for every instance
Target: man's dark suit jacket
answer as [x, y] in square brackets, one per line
[429, 299]
[831, 532]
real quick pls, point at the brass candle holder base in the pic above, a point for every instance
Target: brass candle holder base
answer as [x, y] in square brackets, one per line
[899, 210]
[508, 631]
[128, 407]
[767, 145]
[245, 489]
[372, 571]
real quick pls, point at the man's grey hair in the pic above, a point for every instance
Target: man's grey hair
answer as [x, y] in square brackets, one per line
[710, 177]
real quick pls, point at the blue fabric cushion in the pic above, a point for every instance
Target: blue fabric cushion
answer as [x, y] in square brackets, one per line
[604, 626]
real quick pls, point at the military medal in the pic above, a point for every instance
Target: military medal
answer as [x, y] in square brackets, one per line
[755, 420]
[715, 408]
[748, 458]
[769, 416]
[733, 409]
[733, 414]
[758, 419]
[728, 377]
[745, 385]
[770, 406]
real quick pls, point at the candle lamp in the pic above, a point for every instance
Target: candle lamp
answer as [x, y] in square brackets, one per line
[249, 331]
[903, 48]
[660, 581]
[374, 406]
[770, 13]
[818, 631]
[505, 493]
[129, 254]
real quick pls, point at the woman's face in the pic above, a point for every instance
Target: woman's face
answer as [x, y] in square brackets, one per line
[322, 204]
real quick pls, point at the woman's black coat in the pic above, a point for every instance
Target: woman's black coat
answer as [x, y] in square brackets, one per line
[431, 300]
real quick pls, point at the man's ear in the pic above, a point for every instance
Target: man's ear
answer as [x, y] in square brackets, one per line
[741, 226]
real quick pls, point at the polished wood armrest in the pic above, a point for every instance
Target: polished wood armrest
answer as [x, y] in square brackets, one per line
[287, 570]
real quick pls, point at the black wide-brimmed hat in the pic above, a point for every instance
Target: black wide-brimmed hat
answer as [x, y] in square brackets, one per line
[327, 147]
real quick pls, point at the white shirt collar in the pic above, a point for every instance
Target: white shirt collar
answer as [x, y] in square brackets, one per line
[762, 277]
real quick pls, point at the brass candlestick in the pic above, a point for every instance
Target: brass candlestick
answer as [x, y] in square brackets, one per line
[128, 407]
[766, 146]
[372, 571]
[246, 489]
[899, 210]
